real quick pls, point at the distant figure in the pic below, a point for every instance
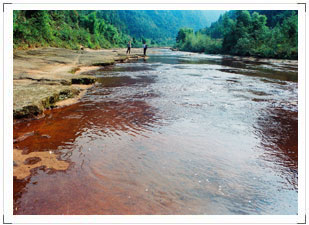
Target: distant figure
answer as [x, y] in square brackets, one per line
[145, 48]
[129, 47]
[81, 48]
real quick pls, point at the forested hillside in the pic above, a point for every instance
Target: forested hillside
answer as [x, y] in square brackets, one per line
[160, 26]
[272, 34]
[68, 29]
[104, 28]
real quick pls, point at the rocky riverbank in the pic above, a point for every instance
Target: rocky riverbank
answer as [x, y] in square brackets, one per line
[45, 77]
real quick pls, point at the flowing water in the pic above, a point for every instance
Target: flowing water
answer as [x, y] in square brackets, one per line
[179, 133]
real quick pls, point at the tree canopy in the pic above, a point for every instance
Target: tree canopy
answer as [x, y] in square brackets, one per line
[246, 33]
[104, 28]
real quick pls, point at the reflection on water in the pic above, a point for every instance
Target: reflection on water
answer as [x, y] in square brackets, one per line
[277, 129]
[177, 134]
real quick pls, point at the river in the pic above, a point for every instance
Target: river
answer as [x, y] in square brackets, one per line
[178, 133]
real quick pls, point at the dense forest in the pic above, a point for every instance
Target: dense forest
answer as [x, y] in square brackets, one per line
[160, 26]
[104, 28]
[271, 34]
[67, 29]
[260, 33]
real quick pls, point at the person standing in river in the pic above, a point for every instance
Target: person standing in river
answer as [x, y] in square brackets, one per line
[145, 48]
[129, 47]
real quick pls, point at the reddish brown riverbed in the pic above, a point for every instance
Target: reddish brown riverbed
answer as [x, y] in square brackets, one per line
[176, 134]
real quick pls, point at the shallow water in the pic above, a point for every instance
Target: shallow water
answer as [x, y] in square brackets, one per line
[179, 133]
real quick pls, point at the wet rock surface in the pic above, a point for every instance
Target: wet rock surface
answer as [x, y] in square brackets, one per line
[24, 164]
[45, 76]
[32, 160]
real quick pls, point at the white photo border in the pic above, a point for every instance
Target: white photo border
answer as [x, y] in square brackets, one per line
[7, 117]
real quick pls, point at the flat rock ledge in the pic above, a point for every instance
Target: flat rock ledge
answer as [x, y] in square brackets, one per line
[42, 77]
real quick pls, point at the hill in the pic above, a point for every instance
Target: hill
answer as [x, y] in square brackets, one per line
[104, 28]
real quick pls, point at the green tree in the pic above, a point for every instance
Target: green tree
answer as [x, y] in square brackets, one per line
[247, 34]
[183, 33]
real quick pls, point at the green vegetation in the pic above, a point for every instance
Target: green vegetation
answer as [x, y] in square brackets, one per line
[104, 28]
[244, 33]
[161, 26]
[67, 29]
[264, 33]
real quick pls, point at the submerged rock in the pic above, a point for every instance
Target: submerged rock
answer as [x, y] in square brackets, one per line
[26, 162]
[32, 160]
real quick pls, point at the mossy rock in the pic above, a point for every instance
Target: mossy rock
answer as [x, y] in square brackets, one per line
[83, 80]
[27, 112]
[70, 93]
[50, 101]
[104, 63]
[30, 100]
